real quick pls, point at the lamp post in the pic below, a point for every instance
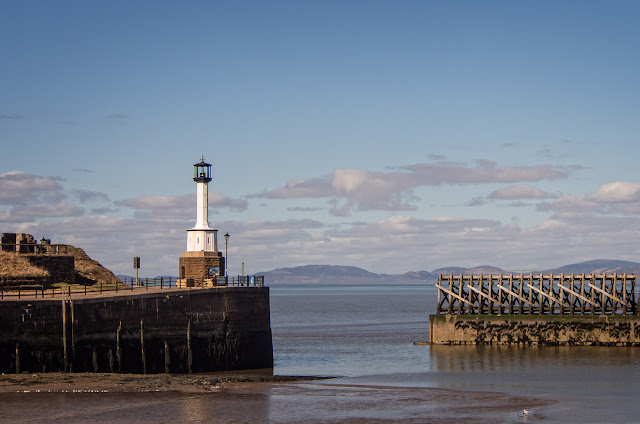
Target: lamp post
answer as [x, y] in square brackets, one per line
[226, 257]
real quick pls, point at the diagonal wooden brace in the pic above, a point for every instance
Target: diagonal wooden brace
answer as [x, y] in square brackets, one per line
[522, 299]
[609, 295]
[481, 293]
[457, 296]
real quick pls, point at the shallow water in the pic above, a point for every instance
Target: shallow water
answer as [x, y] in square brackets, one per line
[366, 334]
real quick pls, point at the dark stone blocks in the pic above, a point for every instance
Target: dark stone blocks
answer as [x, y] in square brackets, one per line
[177, 331]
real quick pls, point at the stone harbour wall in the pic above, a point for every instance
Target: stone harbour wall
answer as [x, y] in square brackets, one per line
[61, 268]
[559, 330]
[175, 331]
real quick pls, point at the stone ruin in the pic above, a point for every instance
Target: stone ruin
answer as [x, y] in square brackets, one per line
[52, 258]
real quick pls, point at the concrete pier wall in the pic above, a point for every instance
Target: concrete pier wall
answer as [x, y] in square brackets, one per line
[598, 330]
[174, 331]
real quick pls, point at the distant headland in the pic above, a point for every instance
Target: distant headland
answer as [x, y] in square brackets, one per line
[319, 274]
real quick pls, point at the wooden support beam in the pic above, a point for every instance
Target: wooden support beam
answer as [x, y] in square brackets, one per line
[578, 295]
[609, 295]
[532, 287]
[522, 299]
[481, 293]
[457, 296]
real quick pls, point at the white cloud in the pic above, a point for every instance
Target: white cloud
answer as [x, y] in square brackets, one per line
[393, 191]
[157, 202]
[521, 191]
[178, 206]
[616, 192]
[19, 188]
[485, 171]
[620, 197]
[58, 210]
[87, 196]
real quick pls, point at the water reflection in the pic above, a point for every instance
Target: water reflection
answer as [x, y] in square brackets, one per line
[501, 358]
[248, 404]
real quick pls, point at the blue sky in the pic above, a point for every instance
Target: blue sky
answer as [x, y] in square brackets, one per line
[389, 135]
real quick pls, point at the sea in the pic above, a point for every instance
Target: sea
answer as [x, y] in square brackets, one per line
[364, 338]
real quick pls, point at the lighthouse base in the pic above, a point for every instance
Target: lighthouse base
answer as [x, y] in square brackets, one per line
[197, 267]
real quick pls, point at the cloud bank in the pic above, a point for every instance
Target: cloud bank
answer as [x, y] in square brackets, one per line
[362, 190]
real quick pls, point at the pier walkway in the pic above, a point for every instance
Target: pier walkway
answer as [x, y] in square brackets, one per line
[126, 287]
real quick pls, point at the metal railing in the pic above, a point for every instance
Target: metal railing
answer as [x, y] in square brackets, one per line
[230, 281]
[129, 285]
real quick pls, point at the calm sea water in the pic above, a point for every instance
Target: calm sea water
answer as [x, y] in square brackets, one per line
[364, 335]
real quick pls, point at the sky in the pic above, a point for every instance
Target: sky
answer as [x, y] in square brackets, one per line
[393, 136]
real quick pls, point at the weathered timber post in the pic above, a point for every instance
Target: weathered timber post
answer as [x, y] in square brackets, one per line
[167, 358]
[71, 324]
[189, 357]
[439, 294]
[118, 351]
[17, 357]
[144, 362]
[64, 335]
[94, 359]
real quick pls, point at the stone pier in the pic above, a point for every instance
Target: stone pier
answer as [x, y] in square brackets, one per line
[164, 331]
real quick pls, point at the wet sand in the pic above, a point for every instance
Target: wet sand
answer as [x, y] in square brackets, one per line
[132, 383]
[235, 397]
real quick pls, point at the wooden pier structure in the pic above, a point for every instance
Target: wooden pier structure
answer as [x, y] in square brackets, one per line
[538, 294]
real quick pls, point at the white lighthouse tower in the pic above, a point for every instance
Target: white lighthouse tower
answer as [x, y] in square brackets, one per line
[202, 263]
[202, 238]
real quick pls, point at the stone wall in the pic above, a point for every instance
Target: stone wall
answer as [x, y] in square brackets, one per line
[176, 331]
[196, 264]
[18, 242]
[61, 268]
[601, 330]
[8, 242]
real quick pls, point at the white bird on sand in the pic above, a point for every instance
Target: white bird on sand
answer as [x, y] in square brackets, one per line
[526, 412]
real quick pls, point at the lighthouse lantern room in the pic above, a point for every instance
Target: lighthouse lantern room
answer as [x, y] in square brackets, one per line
[202, 262]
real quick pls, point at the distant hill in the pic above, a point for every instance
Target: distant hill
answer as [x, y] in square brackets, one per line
[333, 274]
[482, 269]
[313, 274]
[599, 265]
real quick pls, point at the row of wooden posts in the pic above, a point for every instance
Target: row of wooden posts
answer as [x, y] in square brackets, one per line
[577, 294]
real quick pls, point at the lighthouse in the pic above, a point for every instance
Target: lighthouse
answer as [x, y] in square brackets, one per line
[202, 238]
[202, 263]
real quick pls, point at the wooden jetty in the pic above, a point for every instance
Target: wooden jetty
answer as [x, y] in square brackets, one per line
[538, 293]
